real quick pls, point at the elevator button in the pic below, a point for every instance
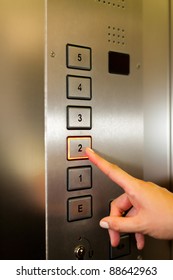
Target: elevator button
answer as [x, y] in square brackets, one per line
[79, 208]
[78, 57]
[79, 252]
[78, 117]
[79, 178]
[76, 146]
[79, 87]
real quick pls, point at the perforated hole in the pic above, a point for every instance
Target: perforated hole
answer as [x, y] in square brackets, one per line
[116, 35]
[113, 3]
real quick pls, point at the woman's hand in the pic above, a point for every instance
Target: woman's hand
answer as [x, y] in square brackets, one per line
[150, 207]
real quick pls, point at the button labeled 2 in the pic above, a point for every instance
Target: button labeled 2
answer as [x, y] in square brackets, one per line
[76, 146]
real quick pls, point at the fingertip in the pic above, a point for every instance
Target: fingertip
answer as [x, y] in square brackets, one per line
[92, 156]
[89, 150]
[114, 172]
[114, 238]
[140, 241]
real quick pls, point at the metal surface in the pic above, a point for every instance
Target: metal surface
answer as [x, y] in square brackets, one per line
[130, 124]
[22, 199]
[130, 112]
[156, 99]
[171, 96]
[117, 114]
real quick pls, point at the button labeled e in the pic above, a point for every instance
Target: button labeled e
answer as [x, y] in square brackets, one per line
[79, 208]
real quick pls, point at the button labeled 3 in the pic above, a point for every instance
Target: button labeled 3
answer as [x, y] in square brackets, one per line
[78, 117]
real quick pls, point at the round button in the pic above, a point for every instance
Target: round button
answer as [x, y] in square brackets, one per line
[79, 252]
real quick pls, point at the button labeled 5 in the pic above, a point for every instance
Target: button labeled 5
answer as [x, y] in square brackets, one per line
[78, 57]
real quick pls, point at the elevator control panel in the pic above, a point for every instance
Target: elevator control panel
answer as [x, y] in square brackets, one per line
[93, 99]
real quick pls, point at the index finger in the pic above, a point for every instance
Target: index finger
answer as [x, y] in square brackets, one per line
[115, 173]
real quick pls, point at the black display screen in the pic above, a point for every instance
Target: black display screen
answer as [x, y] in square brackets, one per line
[119, 63]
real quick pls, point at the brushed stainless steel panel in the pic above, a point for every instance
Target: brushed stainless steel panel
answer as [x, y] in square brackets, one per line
[130, 119]
[22, 199]
[156, 98]
[171, 99]
[117, 115]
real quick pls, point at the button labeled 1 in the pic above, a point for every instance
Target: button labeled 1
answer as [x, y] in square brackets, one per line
[76, 146]
[79, 178]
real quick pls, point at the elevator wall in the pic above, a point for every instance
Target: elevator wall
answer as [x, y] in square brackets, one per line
[24, 181]
[22, 199]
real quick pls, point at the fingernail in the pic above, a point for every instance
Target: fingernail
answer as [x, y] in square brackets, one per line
[104, 224]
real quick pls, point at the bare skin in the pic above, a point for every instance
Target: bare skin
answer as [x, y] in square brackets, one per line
[151, 206]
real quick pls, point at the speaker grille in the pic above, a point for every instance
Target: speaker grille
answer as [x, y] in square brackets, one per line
[113, 3]
[116, 35]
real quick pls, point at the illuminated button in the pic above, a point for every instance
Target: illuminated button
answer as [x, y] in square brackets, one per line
[78, 57]
[79, 208]
[78, 117]
[76, 147]
[79, 87]
[79, 178]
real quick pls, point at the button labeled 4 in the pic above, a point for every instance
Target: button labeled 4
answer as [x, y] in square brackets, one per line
[79, 87]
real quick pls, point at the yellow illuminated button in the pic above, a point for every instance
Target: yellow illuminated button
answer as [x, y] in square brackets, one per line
[76, 146]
